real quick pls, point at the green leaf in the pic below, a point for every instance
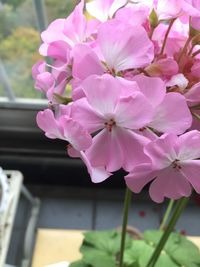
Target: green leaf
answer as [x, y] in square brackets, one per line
[181, 250]
[79, 263]
[98, 258]
[140, 253]
[107, 241]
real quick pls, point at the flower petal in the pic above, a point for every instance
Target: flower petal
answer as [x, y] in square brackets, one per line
[162, 151]
[168, 118]
[189, 144]
[153, 88]
[85, 62]
[102, 92]
[106, 151]
[132, 146]
[139, 177]
[124, 46]
[191, 171]
[97, 174]
[169, 183]
[134, 111]
[86, 116]
[47, 122]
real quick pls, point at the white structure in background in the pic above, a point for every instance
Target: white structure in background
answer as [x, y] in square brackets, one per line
[4, 193]
[11, 186]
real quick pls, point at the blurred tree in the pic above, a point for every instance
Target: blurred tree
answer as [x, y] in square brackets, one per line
[61, 9]
[19, 52]
[7, 20]
[13, 3]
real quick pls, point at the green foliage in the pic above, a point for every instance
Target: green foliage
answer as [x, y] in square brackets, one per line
[14, 3]
[19, 53]
[62, 10]
[7, 20]
[101, 248]
[22, 41]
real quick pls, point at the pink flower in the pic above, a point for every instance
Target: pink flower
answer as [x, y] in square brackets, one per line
[113, 116]
[104, 9]
[173, 167]
[97, 174]
[168, 9]
[64, 128]
[43, 79]
[72, 30]
[166, 117]
[124, 46]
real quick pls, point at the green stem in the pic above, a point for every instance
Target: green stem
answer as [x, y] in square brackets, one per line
[166, 36]
[167, 213]
[196, 115]
[127, 202]
[174, 218]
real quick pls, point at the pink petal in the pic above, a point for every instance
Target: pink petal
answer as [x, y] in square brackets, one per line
[133, 15]
[38, 67]
[75, 25]
[162, 151]
[124, 46]
[99, 9]
[54, 32]
[153, 88]
[139, 177]
[132, 145]
[85, 62]
[191, 171]
[88, 117]
[98, 174]
[169, 118]
[193, 95]
[46, 121]
[134, 111]
[59, 50]
[102, 92]
[178, 80]
[106, 151]
[75, 134]
[189, 145]
[169, 183]
[44, 81]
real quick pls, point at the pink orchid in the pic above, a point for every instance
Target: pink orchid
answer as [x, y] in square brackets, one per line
[173, 167]
[64, 128]
[104, 9]
[114, 118]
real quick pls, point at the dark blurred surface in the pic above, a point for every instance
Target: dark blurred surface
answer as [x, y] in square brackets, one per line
[41, 160]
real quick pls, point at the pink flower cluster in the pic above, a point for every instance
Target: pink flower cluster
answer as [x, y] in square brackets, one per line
[124, 91]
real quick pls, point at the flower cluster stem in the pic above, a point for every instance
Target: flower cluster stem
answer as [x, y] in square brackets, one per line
[180, 205]
[127, 202]
[167, 213]
[166, 36]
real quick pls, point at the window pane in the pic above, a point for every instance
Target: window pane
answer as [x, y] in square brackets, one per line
[20, 39]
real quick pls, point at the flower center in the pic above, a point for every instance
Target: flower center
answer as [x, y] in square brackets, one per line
[176, 165]
[109, 124]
